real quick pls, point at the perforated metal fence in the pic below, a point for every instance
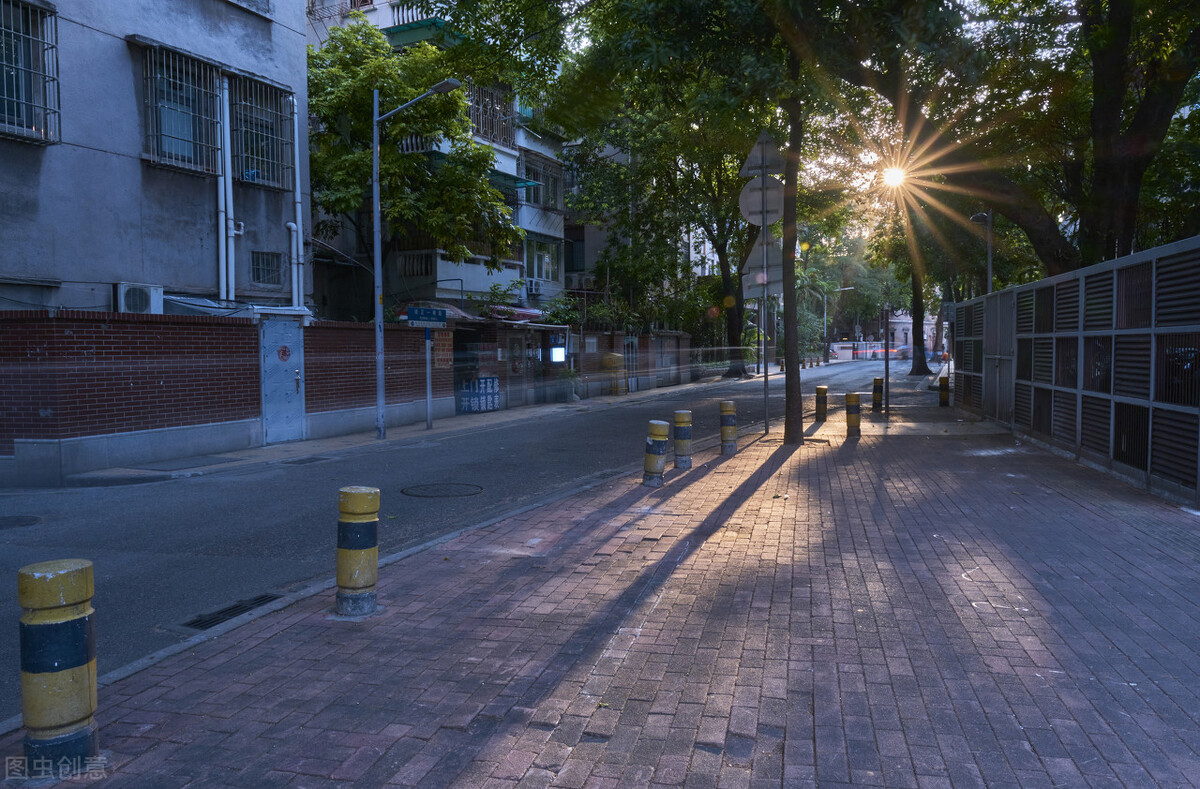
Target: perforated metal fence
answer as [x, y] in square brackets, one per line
[1103, 362]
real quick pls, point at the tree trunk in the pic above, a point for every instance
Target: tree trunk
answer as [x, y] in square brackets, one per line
[793, 424]
[919, 366]
[733, 316]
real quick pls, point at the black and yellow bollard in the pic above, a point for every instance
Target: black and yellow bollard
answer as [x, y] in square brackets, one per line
[943, 391]
[357, 550]
[853, 415]
[803, 363]
[822, 403]
[656, 453]
[58, 663]
[728, 427]
[877, 395]
[683, 439]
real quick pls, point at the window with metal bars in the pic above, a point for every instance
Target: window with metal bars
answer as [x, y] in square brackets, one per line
[28, 72]
[261, 133]
[492, 116]
[547, 192]
[266, 268]
[183, 119]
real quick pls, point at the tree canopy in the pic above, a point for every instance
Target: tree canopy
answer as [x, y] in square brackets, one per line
[445, 197]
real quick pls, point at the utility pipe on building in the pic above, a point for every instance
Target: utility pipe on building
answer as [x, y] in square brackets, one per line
[231, 229]
[298, 204]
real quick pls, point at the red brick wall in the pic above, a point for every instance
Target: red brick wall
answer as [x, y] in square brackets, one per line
[88, 373]
[339, 364]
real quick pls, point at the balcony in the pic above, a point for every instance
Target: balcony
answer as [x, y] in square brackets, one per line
[404, 15]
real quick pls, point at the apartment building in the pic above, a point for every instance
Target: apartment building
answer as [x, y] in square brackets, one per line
[526, 171]
[152, 156]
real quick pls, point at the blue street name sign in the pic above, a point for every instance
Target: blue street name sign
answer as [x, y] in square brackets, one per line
[427, 317]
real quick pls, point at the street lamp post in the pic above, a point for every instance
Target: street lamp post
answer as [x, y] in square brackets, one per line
[445, 86]
[985, 218]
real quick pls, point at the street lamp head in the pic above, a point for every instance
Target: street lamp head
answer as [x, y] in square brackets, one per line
[446, 85]
[981, 217]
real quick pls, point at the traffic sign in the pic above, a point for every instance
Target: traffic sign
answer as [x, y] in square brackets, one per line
[752, 283]
[427, 317]
[761, 200]
[764, 158]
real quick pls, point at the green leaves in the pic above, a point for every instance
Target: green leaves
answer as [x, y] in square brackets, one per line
[433, 176]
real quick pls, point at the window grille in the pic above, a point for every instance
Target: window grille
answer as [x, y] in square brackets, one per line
[261, 133]
[183, 118]
[547, 192]
[491, 115]
[266, 268]
[28, 72]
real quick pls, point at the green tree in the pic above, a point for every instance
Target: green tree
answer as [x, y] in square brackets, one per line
[445, 198]
[660, 168]
[1040, 113]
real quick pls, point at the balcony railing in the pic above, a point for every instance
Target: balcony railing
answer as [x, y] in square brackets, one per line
[404, 15]
[416, 143]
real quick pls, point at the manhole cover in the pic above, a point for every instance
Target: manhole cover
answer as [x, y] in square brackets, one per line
[442, 490]
[206, 621]
[17, 521]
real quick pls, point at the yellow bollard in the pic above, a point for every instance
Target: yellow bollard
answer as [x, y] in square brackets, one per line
[728, 427]
[853, 415]
[683, 439]
[58, 663]
[877, 395]
[943, 391]
[357, 550]
[656, 453]
[822, 403]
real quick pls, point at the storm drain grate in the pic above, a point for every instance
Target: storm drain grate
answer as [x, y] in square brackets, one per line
[442, 490]
[17, 521]
[210, 620]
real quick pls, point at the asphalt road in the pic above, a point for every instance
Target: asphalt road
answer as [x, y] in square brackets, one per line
[167, 551]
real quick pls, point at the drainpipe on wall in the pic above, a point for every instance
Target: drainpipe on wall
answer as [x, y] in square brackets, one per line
[298, 242]
[231, 228]
[293, 251]
[221, 229]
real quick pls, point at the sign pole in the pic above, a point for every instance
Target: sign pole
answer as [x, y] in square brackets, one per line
[762, 312]
[429, 318]
[764, 161]
[428, 382]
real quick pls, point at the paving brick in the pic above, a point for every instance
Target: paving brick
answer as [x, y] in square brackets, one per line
[864, 631]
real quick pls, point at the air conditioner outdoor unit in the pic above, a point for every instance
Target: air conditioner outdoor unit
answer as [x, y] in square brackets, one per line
[140, 299]
[573, 281]
[589, 283]
[535, 287]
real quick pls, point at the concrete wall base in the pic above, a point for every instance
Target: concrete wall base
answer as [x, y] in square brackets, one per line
[326, 424]
[49, 462]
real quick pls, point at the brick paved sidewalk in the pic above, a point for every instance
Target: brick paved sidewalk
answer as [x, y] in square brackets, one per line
[905, 611]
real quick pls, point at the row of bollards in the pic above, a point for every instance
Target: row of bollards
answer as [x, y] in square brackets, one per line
[655, 464]
[657, 430]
